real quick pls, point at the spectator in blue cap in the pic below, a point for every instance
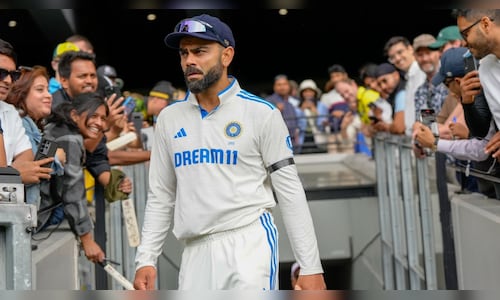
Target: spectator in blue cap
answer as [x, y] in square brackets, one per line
[223, 158]
[449, 68]
[392, 84]
[470, 127]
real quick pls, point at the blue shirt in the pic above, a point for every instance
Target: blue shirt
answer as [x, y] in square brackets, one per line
[54, 85]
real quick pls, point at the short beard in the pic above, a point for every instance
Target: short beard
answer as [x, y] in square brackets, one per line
[198, 86]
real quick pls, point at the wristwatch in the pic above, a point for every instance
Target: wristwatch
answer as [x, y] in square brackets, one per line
[435, 145]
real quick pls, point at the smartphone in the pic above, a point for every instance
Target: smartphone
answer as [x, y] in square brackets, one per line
[428, 118]
[112, 89]
[373, 119]
[469, 63]
[47, 148]
[129, 104]
[137, 119]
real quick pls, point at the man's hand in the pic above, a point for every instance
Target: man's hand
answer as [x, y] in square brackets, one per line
[493, 146]
[116, 119]
[459, 130]
[424, 136]
[381, 126]
[145, 278]
[310, 282]
[470, 87]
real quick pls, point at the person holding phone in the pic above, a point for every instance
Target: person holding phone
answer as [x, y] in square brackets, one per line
[31, 97]
[18, 149]
[68, 125]
[470, 127]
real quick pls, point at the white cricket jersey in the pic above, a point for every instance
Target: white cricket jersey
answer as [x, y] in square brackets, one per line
[212, 168]
[489, 74]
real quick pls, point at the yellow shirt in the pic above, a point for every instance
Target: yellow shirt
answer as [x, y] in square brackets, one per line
[365, 97]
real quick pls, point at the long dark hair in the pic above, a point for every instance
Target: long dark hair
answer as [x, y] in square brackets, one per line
[86, 102]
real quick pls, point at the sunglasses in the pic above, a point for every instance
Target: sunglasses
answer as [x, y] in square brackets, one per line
[464, 33]
[198, 27]
[14, 74]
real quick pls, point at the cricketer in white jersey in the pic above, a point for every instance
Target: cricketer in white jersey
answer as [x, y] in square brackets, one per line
[216, 171]
[214, 168]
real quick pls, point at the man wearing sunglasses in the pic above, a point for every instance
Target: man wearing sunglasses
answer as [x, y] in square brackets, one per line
[218, 156]
[17, 146]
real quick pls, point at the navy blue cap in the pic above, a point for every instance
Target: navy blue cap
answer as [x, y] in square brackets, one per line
[452, 65]
[384, 68]
[204, 27]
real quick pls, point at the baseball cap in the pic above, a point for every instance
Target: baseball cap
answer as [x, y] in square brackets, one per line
[204, 27]
[449, 33]
[383, 69]
[423, 41]
[336, 68]
[163, 89]
[64, 47]
[452, 65]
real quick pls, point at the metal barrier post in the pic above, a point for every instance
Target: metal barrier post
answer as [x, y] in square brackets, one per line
[16, 220]
[101, 276]
[427, 225]
[384, 213]
[450, 263]
[116, 239]
[415, 272]
[398, 233]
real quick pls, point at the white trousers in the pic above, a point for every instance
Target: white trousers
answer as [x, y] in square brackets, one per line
[245, 258]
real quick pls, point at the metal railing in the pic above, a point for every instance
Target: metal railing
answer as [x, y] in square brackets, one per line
[407, 230]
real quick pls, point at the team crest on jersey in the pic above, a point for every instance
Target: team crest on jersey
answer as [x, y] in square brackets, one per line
[233, 129]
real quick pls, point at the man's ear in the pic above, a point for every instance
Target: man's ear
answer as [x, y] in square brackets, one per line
[64, 82]
[227, 56]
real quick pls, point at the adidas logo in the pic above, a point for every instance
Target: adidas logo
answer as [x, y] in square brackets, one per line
[181, 133]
